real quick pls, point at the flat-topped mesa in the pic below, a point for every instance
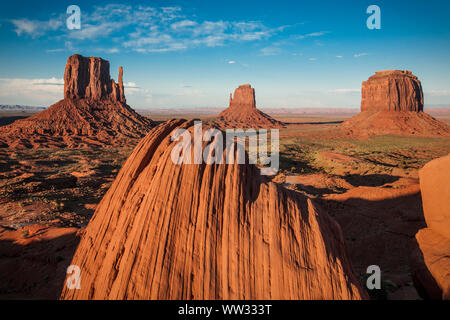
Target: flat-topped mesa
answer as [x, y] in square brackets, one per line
[89, 78]
[392, 90]
[244, 96]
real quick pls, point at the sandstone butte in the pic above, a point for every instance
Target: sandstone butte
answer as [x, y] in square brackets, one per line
[242, 112]
[93, 112]
[221, 231]
[392, 103]
[431, 259]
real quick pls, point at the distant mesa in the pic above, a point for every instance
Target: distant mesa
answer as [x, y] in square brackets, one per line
[207, 231]
[392, 103]
[242, 112]
[392, 90]
[93, 112]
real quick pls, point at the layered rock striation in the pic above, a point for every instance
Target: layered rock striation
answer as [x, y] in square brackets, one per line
[392, 90]
[207, 231]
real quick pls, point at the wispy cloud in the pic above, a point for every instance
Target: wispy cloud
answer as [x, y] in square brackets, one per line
[360, 55]
[313, 34]
[339, 57]
[54, 50]
[183, 24]
[45, 91]
[270, 51]
[42, 91]
[146, 29]
[231, 62]
[35, 28]
[312, 59]
[344, 91]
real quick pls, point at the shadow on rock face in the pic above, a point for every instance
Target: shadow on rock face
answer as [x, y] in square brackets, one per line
[424, 282]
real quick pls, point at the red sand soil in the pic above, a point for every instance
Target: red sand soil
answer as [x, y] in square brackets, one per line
[34, 259]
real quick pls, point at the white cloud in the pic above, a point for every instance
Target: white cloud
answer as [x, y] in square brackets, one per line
[112, 50]
[312, 59]
[54, 50]
[270, 51]
[345, 91]
[35, 28]
[146, 29]
[132, 88]
[91, 32]
[339, 57]
[34, 91]
[183, 24]
[313, 34]
[360, 55]
[231, 62]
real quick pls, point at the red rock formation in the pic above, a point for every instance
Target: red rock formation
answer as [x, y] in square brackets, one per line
[89, 78]
[392, 90]
[435, 189]
[34, 259]
[392, 103]
[242, 112]
[93, 112]
[121, 87]
[166, 231]
[434, 241]
[244, 97]
[409, 123]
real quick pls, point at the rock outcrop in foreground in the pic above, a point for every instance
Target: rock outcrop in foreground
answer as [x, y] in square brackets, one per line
[93, 113]
[167, 231]
[392, 103]
[431, 264]
[392, 90]
[242, 112]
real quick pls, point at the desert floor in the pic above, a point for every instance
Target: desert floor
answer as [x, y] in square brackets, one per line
[369, 186]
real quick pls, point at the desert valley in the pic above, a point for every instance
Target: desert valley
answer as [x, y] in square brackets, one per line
[225, 159]
[90, 182]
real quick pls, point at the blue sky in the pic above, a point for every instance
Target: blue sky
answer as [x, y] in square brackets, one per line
[194, 53]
